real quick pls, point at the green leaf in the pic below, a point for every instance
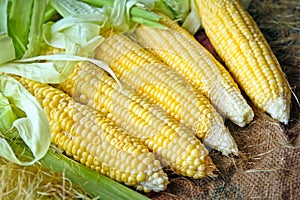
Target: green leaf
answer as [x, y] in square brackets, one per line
[75, 33]
[123, 13]
[72, 7]
[120, 16]
[7, 116]
[140, 12]
[192, 21]
[94, 183]
[3, 16]
[184, 12]
[49, 13]
[33, 129]
[101, 3]
[181, 8]
[162, 7]
[42, 72]
[7, 50]
[19, 24]
[20, 48]
[150, 23]
[50, 72]
[35, 33]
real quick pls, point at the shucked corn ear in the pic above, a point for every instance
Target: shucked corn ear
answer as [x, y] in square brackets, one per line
[242, 46]
[95, 141]
[180, 51]
[143, 72]
[176, 146]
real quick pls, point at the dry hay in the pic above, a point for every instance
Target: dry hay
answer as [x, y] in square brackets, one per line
[269, 164]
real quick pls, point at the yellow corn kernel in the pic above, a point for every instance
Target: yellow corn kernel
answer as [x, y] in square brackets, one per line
[96, 141]
[161, 85]
[144, 121]
[249, 58]
[181, 52]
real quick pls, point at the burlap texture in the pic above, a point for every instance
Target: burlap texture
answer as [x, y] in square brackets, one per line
[269, 164]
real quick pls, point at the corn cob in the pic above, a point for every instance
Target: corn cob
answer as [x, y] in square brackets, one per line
[173, 144]
[242, 46]
[161, 85]
[180, 51]
[95, 141]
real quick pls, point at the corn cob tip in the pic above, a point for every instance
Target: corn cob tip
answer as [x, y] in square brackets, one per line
[241, 118]
[157, 182]
[221, 141]
[197, 171]
[244, 118]
[233, 106]
[219, 138]
[279, 109]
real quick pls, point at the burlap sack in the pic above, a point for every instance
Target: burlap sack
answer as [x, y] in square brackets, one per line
[269, 165]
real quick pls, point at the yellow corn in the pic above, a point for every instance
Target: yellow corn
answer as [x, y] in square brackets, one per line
[140, 70]
[180, 51]
[95, 141]
[172, 143]
[247, 54]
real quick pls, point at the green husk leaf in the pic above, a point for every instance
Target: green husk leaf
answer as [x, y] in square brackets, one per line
[33, 129]
[140, 9]
[20, 18]
[71, 7]
[101, 3]
[7, 50]
[162, 7]
[19, 24]
[3, 16]
[120, 17]
[49, 13]
[139, 12]
[78, 32]
[50, 72]
[43, 72]
[121, 13]
[149, 23]
[7, 116]
[192, 21]
[93, 183]
[35, 33]
[20, 48]
[75, 33]
[184, 12]
[181, 8]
